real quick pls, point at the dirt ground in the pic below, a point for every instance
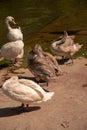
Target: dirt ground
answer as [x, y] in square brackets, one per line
[66, 110]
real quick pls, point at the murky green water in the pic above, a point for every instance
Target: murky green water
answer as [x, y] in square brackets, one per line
[31, 15]
[49, 18]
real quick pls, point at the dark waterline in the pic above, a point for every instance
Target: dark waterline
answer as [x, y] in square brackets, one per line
[34, 15]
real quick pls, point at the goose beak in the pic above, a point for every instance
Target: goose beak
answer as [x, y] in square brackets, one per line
[13, 21]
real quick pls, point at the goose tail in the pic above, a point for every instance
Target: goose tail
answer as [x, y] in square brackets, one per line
[48, 96]
[78, 46]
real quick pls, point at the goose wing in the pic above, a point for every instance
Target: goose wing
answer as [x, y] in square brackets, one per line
[44, 70]
[21, 92]
[33, 85]
[11, 49]
[51, 60]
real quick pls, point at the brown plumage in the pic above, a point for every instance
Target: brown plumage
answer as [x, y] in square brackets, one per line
[42, 64]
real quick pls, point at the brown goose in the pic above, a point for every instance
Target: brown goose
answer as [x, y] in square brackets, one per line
[42, 64]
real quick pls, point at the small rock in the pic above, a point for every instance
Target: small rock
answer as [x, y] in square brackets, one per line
[65, 124]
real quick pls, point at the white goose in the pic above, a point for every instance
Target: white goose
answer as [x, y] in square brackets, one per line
[25, 91]
[12, 50]
[65, 46]
[14, 33]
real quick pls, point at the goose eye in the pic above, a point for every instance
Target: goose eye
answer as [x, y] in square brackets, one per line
[13, 20]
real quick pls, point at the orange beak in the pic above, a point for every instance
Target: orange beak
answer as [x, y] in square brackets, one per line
[13, 21]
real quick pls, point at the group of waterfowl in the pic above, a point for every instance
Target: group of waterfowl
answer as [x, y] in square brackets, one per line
[42, 64]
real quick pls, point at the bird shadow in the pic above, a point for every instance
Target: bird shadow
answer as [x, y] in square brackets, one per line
[42, 83]
[4, 65]
[62, 61]
[12, 111]
[28, 78]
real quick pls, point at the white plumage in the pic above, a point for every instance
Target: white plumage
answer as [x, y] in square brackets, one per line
[25, 91]
[65, 46]
[12, 50]
[13, 33]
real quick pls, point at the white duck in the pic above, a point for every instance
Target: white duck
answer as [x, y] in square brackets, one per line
[14, 33]
[25, 91]
[65, 46]
[12, 50]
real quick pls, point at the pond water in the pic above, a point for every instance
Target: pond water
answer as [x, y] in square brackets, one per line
[34, 15]
[30, 15]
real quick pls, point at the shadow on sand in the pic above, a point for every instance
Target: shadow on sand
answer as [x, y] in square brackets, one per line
[42, 83]
[62, 61]
[12, 111]
[4, 65]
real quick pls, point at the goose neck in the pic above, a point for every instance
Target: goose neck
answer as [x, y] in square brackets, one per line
[8, 25]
